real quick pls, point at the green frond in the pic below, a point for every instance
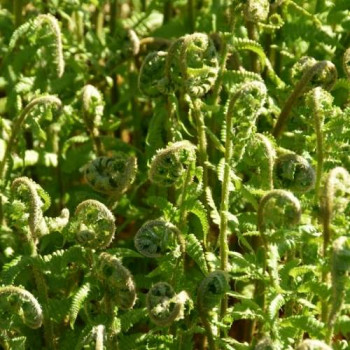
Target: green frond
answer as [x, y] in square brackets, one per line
[77, 303]
[195, 250]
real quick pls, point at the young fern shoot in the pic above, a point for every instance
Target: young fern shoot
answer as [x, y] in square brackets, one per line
[251, 96]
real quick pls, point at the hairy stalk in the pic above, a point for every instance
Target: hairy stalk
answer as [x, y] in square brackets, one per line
[93, 106]
[299, 89]
[202, 140]
[277, 208]
[338, 180]
[17, 125]
[315, 101]
[340, 267]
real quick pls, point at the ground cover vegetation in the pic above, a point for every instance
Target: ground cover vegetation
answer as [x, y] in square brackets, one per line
[174, 174]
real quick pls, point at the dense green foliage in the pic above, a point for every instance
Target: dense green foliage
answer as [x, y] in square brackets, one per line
[174, 174]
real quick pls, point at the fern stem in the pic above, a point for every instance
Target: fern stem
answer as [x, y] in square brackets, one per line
[297, 92]
[208, 330]
[191, 16]
[202, 141]
[222, 66]
[225, 191]
[114, 4]
[317, 112]
[167, 10]
[17, 11]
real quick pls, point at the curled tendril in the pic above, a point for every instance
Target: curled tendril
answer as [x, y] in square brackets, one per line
[154, 237]
[334, 199]
[151, 78]
[93, 224]
[28, 191]
[312, 344]
[163, 305]
[111, 175]
[256, 10]
[346, 62]
[32, 314]
[245, 105]
[313, 73]
[278, 208]
[169, 164]
[35, 24]
[294, 173]
[192, 63]
[211, 290]
[118, 281]
[92, 106]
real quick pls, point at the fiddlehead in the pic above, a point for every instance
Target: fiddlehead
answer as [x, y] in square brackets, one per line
[278, 208]
[211, 290]
[256, 10]
[111, 175]
[118, 281]
[340, 263]
[35, 25]
[170, 163]
[30, 308]
[334, 200]
[31, 204]
[322, 73]
[192, 63]
[261, 152]
[151, 78]
[93, 225]
[312, 344]
[319, 101]
[17, 124]
[154, 238]
[294, 173]
[163, 305]
[243, 109]
[93, 106]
